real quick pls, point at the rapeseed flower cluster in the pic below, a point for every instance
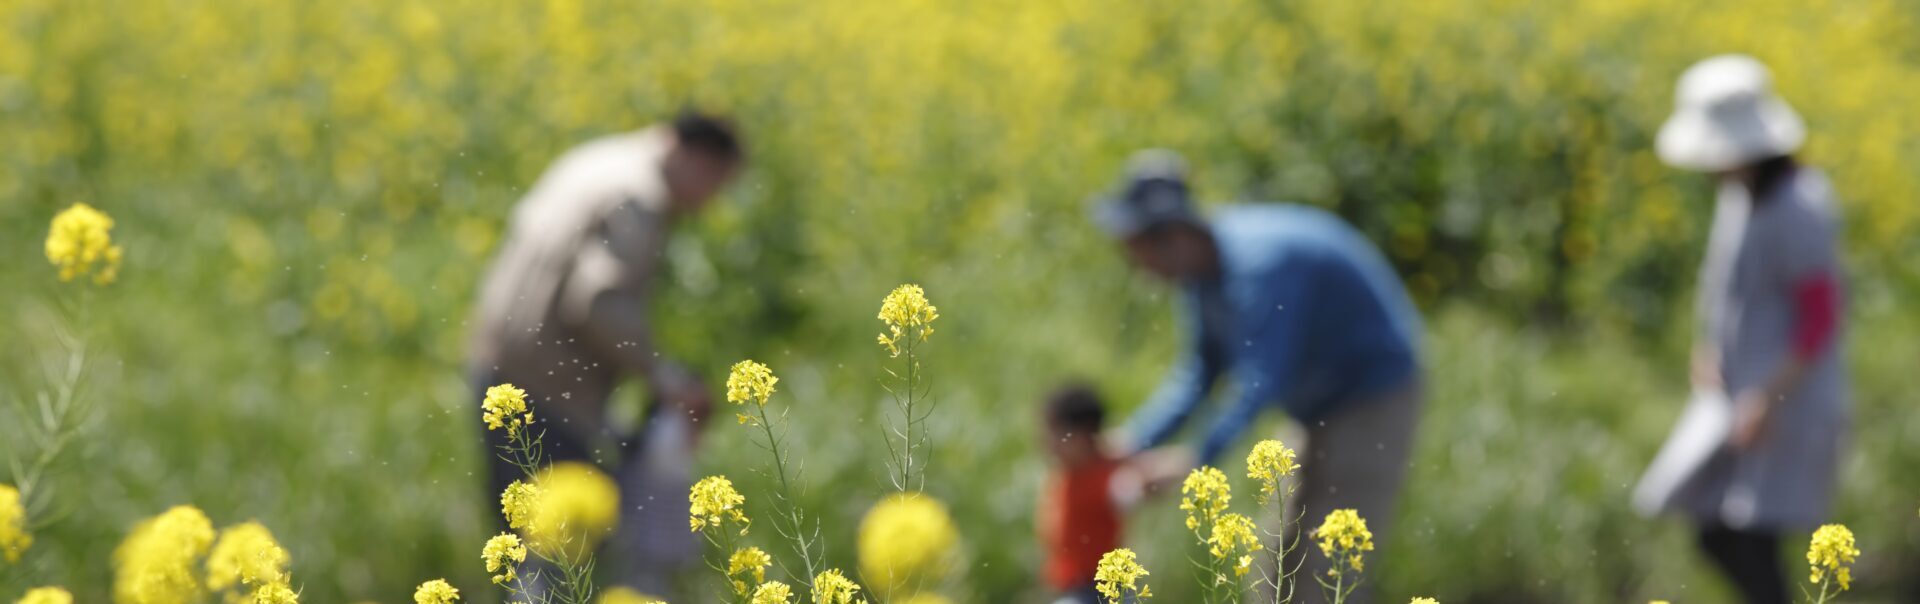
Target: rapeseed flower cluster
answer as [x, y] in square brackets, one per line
[46, 595]
[247, 556]
[1204, 495]
[156, 563]
[713, 502]
[1233, 540]
[832, 587]
[80, 243]
[907, 313]
[906, 545]
[577, 507]
[505, 407]
[437, 591]
[1830, 557]
[1119, 575]
[503, 553]
[772, 592]
[1270, 462]
[747, 567]
[14, 538]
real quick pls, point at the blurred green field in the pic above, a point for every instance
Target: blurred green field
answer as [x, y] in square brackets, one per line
[308, 192]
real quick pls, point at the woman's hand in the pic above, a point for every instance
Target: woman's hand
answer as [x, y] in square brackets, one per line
[1706, 370]
[1752, 419]
[1163, 469]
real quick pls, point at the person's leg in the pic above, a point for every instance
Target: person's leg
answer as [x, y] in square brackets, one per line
[1750, 560]
[652, 546]
[1356, 459]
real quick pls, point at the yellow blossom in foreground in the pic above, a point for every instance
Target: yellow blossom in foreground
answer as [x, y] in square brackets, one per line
[46, 595]
[156, 564]
[750, 381]
[275, 593]
[712, 502]
[925, 598]
[577, 506]
[626, 595]
[1204, 495]
[14, 538]
[1655, 602]
[503, 553]
[517, 504]
[1344, 538]
[1120, 572]
[906, 543]
[831, 587]
[79, 244]
[772, 592]
[505, 407]
[1234, 540]
[748, 562]
[1424, 601]
[436, 591]
[1830, 555]
[906, 310]
[246, 554]
[1270, 462]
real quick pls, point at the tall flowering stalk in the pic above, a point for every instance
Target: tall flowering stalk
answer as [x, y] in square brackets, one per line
[909, 319]
[528, 508]
[750, 385]
[1270, 464]
[1225, 537]
[1830, 560]
[1344, 540]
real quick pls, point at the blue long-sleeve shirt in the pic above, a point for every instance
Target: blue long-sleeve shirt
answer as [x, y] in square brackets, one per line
[1305, 313]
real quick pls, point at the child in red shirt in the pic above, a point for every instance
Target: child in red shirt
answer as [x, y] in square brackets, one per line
[1085, 494]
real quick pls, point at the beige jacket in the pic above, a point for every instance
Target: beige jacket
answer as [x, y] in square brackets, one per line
[563, 313]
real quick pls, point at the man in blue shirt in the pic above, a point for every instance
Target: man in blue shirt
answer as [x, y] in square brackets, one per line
[1296, 310]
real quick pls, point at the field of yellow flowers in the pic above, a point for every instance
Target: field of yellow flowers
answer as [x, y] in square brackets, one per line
[305, 194]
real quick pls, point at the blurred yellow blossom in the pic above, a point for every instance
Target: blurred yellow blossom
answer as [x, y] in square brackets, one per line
[1830, 556]
[906, 310]
[79, 243]
[748, 563]
[832, 587]
[436, 591]
[1204, 495]
[156, 563]
[1424, 601]
[517, 504]
[1234, 540]
[626, 595]
[46, 595]
[503, 554]
[1119, 573]
[577, 506]
[505, 407]
[1344, 538]
[906, 543]
[246, 554]
[14, 538]
[772, 592]
[713, 502]
[1270, 462]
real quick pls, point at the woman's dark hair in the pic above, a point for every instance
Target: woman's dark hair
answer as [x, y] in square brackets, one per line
[1769, 174]
[707, 134]
[1076, 407]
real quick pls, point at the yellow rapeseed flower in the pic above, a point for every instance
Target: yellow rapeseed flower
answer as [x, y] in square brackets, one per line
[1424, 601]
[503, 554]
[1234, 540]
[577, 506]
[46, 595]
[626, 595]
[14, 538]
[156, 563]
[831, 587]
[79, 243]
[246, 554]
[275, 593]
[772, 592]
[713, 502]
[1120, 572]
[436, 591]
[505, 407]
[1344, 538]
[1270, 462]
[748, 562]
[906, 542]
[907, 314]
[517, 504]
[1830, 555]
[750, 381]
[1204, 495]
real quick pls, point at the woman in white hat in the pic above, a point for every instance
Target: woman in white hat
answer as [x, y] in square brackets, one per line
[1755, 454]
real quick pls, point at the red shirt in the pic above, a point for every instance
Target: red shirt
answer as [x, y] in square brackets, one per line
[1078, 523]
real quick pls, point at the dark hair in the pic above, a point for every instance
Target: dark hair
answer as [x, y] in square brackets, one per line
[1076, 407]
[708, 134]
[1768, 175]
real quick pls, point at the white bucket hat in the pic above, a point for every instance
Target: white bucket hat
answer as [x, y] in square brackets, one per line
[1726, 116]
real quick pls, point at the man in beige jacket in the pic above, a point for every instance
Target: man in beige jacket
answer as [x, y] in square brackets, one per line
[564, 315]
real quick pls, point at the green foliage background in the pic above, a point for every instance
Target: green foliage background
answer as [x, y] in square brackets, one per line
[309, 191]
